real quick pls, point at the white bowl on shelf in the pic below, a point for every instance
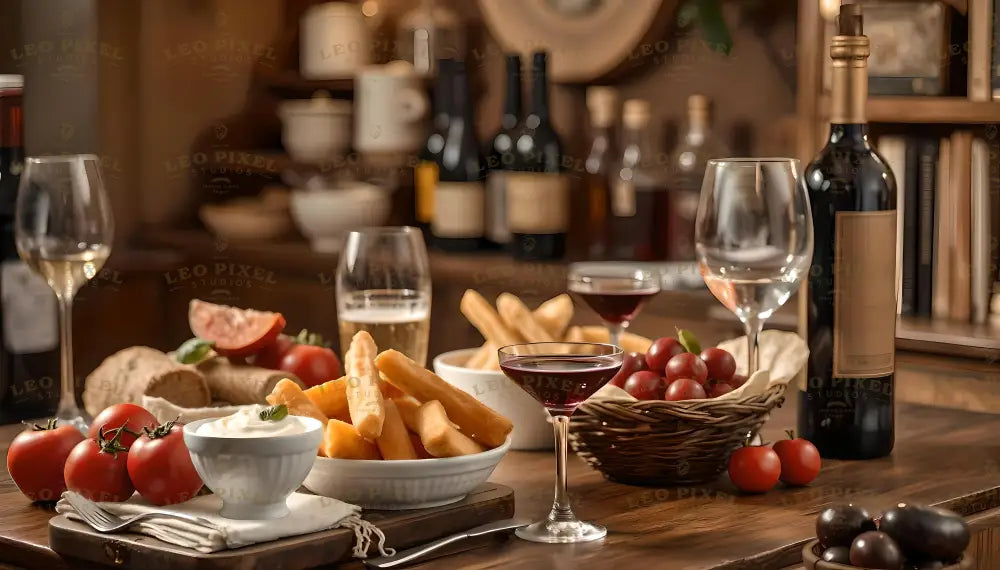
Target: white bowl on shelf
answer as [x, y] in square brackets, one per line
[315, 130]
[403, 484]
[254, 475]
[532, 429]
[325, 216]
[245, 221]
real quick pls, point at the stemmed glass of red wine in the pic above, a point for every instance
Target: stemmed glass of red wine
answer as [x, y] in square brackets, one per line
[561, 375]
[614, 291]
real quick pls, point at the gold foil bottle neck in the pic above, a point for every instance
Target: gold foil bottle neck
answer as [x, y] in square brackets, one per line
[849, 51]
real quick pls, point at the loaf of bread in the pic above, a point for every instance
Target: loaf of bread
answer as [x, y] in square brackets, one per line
[239, 383]
[137, 371]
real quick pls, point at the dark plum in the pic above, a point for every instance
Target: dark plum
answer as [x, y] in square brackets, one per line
[926, 533]
[839, 524]
[837, 554]
[876, 550]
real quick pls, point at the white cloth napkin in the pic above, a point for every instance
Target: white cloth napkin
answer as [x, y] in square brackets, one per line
[309, 513]
[165, 410]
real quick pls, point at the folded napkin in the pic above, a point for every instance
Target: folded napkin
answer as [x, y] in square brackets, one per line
[309, 513]
[165, 410]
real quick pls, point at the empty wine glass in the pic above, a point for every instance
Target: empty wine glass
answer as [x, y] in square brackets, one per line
[754, 237]
[63, 229]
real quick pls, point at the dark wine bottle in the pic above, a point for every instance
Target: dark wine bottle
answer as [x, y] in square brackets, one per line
[500, 157]
[537, 190]
[459, 196]
[425, 174]
[846, 407]
[29, 334]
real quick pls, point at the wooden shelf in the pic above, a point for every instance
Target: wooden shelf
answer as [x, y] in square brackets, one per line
[949, 337]
[289, 84]
[922, 110]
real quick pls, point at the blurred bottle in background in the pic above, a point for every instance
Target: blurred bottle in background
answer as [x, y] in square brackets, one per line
[602, 106]
[686, 169]
[640, 203]
[428, 33]
[537, 189]
[425, 177]
[459, 196]
[501, 157]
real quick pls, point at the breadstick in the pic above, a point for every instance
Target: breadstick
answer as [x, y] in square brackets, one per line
[331, 398]
[437, 435]
[484, 317]
[407, 408]
[629, 342]
[481, 357]
[387, 389]
[364, 398]
[288, 393]
[394, 443]
[342, 441]
[472, 416]
[518, 318]
[419, 447]
[574, 334]
[555, 314]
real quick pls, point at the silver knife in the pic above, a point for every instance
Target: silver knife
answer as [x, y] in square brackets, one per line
[411, 554]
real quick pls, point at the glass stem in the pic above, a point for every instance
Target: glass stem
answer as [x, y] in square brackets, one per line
[67, 400]
[561, 511]
[753, 327]
[615, 332]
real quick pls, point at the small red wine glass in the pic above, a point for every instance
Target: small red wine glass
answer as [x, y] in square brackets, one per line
[615, 291]
[561, 375]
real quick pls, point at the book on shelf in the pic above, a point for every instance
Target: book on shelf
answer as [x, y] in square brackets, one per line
[995, 49]
[926, 167]
[893, 150]
[981, 48]
[982, 283]
[961, 214]
[942, 236]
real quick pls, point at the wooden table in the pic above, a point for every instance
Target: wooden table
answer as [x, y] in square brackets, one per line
[941, 456]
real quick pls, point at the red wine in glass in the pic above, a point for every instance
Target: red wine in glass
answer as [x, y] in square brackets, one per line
[561, 383]
[617, 307]
[614, 291]
[561, 375]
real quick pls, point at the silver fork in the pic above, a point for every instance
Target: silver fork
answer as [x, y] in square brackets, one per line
[103, 520]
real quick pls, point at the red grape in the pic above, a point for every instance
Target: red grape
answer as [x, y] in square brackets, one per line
[721, 365]
[645, 385]
[687, 365]
[716, 389]
[684, 389]
[631, 362]
[661, 351]
[737, 380]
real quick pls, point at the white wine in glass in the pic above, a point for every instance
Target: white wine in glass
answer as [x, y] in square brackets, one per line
[63, 229]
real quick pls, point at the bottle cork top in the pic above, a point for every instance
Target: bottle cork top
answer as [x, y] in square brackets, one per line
[698, 103]
[602, 103]
[850, 22]
[635, 113]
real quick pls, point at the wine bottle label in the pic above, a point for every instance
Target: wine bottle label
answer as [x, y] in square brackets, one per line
[537, 202]
[458, 210]
[425, 179]
[623, 199]
[30, 315]
[864, 273]
[496, 207]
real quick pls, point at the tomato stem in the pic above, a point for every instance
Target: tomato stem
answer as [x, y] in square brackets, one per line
[49, 424]
[113, 445]
[162, 430]
[312, 339]
[791, 433]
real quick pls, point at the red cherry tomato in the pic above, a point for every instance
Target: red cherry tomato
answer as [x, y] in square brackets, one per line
[97, 468]
[270, 356]
[716, 389]
[661, 351]
[684, 389]
[737, 380]
[754, 469]
[114, 416]
[36, 459]
[235, 332]
[312, 364]
[687, 365]
[721, 365]
[800, 460]
[631, 362]
[645, 385]
[160, 466]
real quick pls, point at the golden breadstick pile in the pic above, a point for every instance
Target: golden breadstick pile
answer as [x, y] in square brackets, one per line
[388, 407]
[512, 322]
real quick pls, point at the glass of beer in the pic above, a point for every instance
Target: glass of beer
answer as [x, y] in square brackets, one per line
[384, 287]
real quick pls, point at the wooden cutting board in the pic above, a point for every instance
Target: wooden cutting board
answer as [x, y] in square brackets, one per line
[403, 529]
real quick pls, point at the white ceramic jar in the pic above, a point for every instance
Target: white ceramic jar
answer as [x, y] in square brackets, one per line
[334, 41]
[390, 107]
[315, 130]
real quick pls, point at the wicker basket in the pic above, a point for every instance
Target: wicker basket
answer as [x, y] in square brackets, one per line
[667, 443]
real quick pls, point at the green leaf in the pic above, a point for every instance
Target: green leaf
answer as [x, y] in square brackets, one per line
[274, 413]
[714, 30]
[689, 341]
[193, 351]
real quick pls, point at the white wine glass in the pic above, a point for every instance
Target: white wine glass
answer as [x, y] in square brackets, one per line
[754, 237]
[63, 228]
[384, 287]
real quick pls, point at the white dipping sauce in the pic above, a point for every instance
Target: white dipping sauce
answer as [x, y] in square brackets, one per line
[247, 423]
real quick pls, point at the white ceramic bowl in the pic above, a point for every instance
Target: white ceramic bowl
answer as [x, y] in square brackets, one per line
[253, 476]
[532, 429]
[325, 216]
[315, 130]
[245, 222]
[405, 484]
